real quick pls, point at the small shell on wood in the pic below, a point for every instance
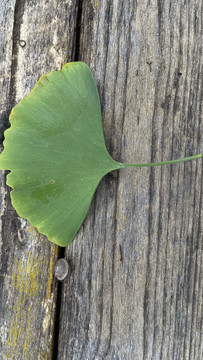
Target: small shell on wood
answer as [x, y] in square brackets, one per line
[61, 269]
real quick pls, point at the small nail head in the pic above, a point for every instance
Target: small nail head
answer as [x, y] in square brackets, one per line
[61, 269]
[22, 43]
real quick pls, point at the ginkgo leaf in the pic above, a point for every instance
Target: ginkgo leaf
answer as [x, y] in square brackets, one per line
[56, 152]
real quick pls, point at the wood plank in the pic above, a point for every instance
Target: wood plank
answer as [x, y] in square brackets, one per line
[135, 291]
[36, 37]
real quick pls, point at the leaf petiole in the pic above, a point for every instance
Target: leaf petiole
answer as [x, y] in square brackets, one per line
[163, 162]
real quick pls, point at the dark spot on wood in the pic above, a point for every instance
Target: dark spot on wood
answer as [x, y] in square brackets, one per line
[121, 253]
[149, 63]
[177, 75]
[138, 120]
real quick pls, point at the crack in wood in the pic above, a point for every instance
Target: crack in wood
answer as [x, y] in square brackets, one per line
[75, 57]
[54, 355]
[76, 47]
[18, 18]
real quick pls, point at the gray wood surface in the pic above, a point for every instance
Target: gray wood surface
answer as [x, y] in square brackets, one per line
[33, 42]
[135, 289]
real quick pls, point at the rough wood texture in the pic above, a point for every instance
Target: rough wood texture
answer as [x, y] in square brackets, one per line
[135, 290]
[136, 286]
[35, 38]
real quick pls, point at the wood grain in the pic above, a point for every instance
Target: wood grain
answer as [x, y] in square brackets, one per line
[135, 289]
[136, 286]
[36, 37]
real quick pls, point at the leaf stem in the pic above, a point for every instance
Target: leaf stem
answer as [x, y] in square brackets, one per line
[164, 162]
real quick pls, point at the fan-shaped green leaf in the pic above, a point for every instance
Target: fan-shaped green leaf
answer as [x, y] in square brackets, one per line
[56, 152]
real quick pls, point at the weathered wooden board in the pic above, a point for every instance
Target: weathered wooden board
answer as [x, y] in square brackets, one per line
[36, 37]
[136, 286]
[135, 290]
